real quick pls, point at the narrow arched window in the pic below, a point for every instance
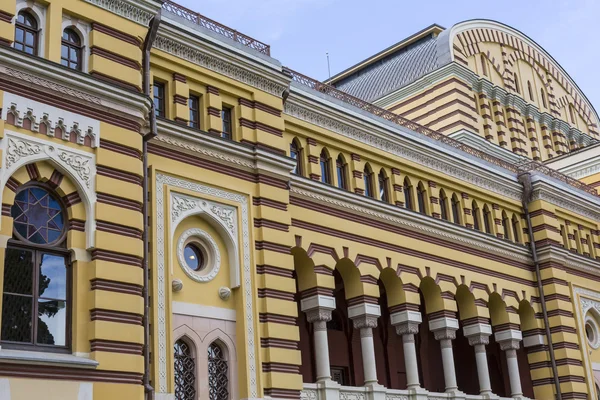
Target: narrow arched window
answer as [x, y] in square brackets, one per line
[421, 195]
[383, 186]
[296, 154]
[218, 373]
[571, 114]
[543, 95]
[517, 89]
[530, 90]
[443, 205]
[408, 200]
[505, 225]
[455, 209]
[341, 170]
[516, 229]
[325, 163]
[36, 300]
[185, 371]
[483, 67]
[487, 223]
[368, 181]
[475, 213]
[70, 53]
[26, 33]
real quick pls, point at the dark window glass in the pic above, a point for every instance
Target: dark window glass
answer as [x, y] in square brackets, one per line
[530, 90]
[486, 221]
[218, 374]
[408, 202]
[340, 375]
[26, 33]
[455, 210]
[295, 153]
[443, 206]
[340, 168]
[159, 99]
[515, 226]
[324, 163]
[543, 95]
[70, 53]
[383, 190]
[571, 114]
[517, 84]
[421, 199]
[505, 226]
[194, 257]
[226, 117]
[475, 213]
[185, 372]
[194, 105]
[367, 178]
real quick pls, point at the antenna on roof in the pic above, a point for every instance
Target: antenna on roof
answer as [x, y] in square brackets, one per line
[328, 66]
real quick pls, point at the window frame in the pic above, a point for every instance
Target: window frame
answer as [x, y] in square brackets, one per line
[225, 359]
[297, 150]
[368, 182]
[227, 121]
[456, 214]
[407, 190]
[340, 169]
[194, 123]
[487, 224]
[77, 48]
[382, 180]
[34, 31]
[325, 165]
[159, 111]
[421, 198]
[443, 205]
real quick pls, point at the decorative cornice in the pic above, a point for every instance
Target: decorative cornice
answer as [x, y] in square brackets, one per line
[588, 206]
[338, 198]
[140, 12]
[478, 142]
[264, 77]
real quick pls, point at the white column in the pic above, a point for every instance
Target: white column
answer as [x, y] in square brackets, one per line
[509, 343]
[318, 311]
[444, 329]
[364, 316]
[479, 336]
[407, 325]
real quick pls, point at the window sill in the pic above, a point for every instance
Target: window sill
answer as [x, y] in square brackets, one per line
[44, 358]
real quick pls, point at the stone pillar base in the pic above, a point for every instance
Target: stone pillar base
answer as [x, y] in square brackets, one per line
[375, 391]
[328, 390]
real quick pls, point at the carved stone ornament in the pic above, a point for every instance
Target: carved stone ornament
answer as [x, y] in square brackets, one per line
[364, 321]
[511, 344]
[213, 259]
[318, 314]
[445, 334]
[18, 149]
[126, 9]
[407, 328]
[479, 339]
[177, 285]
[224, 293]
[80, 165]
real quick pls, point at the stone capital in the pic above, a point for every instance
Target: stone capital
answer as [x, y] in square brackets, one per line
[444, 328]
[364, 321]
[509, 339]
[318, 315]
[407, 328]
[478, 333]
[511, 344]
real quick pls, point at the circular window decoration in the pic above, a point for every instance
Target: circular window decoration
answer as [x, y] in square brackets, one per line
[592, 331]
[38, 216]
[198, 255]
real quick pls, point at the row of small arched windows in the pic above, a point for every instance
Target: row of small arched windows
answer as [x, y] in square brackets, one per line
[451, 209]
[27, 37]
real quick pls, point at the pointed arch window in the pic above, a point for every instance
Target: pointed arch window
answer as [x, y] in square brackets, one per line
[185, 371]
[516, 229]
[408, 200]
[383, 186]
[483, 66]
[475, 213]
[530, 90]
[421, 195]
[443, 205]
[71, 50]
[543, 95]
[296, 154]
[455, 209]
[368, 181]
[517, 89]
[218, 373]
[487, 216]
[571, 113]
[26, 33]
[505, 225]
[325, 163]
[36, 300]
[341, 168]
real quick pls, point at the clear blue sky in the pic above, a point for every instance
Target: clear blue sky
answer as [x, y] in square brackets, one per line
[300, 32]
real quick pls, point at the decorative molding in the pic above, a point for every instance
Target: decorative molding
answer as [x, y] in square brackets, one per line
[561, 198]
[241, 202]
[19, 150]
[52, 117]
[426, 157]
[130, 10]
[213, 260]
[591, 300]
[198, 310]
[202, 58]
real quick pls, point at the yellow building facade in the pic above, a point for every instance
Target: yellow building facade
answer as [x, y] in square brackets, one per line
[185, 218]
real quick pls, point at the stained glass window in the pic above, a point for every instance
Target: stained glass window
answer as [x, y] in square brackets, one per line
[218, 374]
[38, 216]
[185, 372]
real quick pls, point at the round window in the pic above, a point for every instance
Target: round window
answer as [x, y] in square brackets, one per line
[592, 331]
[589, 332]
[38, 216]
[194, 257]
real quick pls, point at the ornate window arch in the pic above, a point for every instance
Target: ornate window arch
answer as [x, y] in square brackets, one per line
[82, 30]
[325, 164]
[455, 209]
[296, 154]
[383, 186]
[26, 33]
[38, 12]
[475, 213]
[421, 198]
[443, 205]
[185, 369]
[36, 306]
[71, 50]
[487, 219]
[341, 168]
[368, 181]
[218, 371]
[516, 228]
